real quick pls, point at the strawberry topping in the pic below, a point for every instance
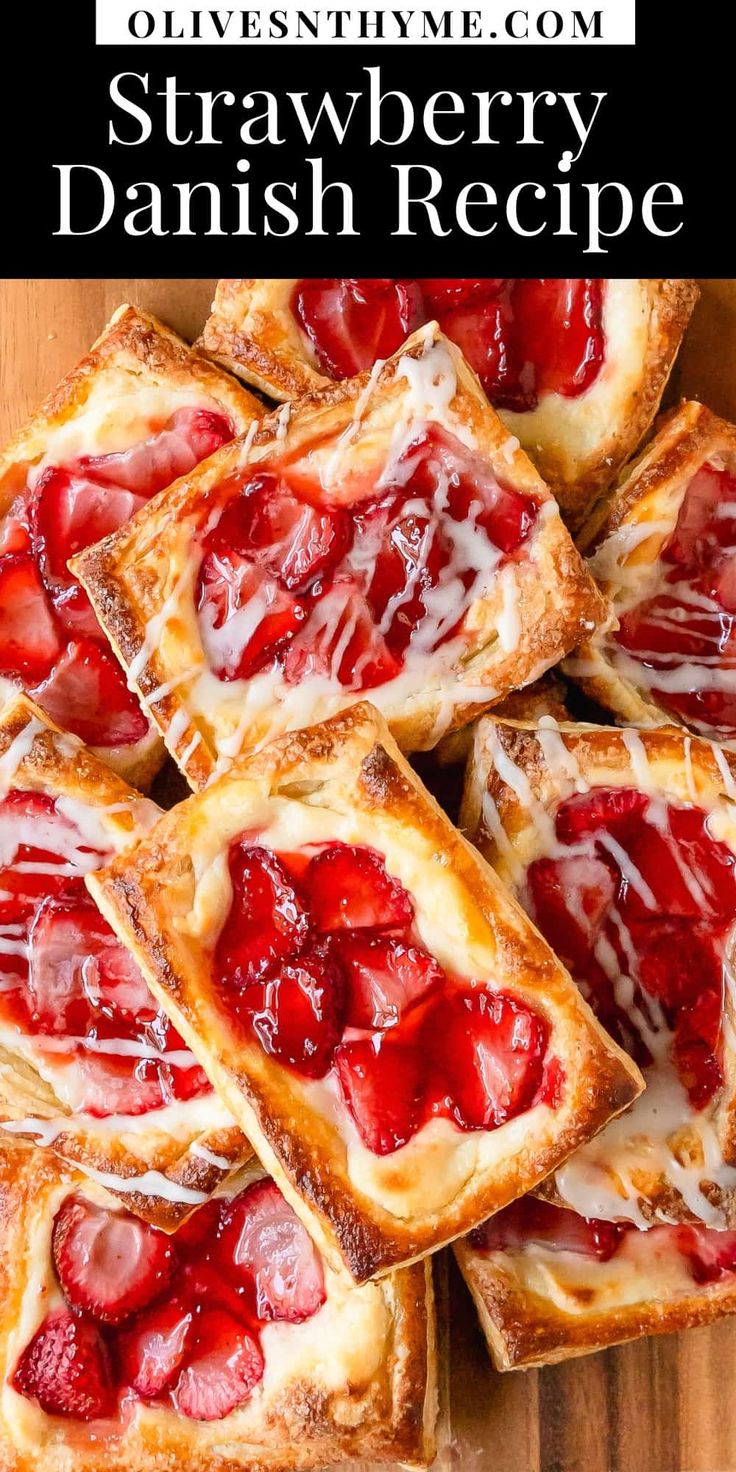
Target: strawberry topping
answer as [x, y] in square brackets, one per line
[525, 338]
[170, 1319]
[50, 640]
[529, 1221]
[66, 1369]
[109, 1264]
[29, 642]
[641, 909]
[346, 593]
[68, 983]
[682, 639]
[319, 958]
[270, 1245]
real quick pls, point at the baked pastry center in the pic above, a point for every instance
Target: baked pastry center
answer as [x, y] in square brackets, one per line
[682, 639]
[173, 1320]
[319, 960]
[524, 338]
[70, 992]
[639, 899]
[51, 644]
[349, 583]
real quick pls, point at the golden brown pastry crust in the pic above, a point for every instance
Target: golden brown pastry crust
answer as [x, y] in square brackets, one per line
[253, 332]
[524, 1328]
[623, 558]
[506, 829]
[134, 353]
[386, 1413]
[141, 578]
[52, 762]
[349, 772]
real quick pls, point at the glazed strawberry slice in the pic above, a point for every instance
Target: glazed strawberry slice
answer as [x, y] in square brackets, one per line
[86, 694]
[110, 1264]
[383, 1084]
[222, 1370]
[69, 513]
[385, 977]
[341, 642]
[66, 1369]
[33, 833]
[569, 899]
[151, 1352]
[483, 331]
[350, 322]
[189, 437]
[77, 965]
[489, 1053]
[712, 1255]
[297, 1014]
[696, 1047]
[75, 612]
[210, 1278]
[603, 808]
[246, 618]
[271, 1246]
[529, 1221]
[413, 554]
[29, 642]
[558, 329]
[349, 888]
[676, 959]
[290, 539]
[449, 476]
[702, 531]
[266, 922]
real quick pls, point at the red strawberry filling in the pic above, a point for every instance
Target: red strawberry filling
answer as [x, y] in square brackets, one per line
[524, 338]
[528, 1223]
[293, 583]
[639, 900]
[50, 641]
[169, 1319]
[683, 638]
[319, 962]
[68, 983]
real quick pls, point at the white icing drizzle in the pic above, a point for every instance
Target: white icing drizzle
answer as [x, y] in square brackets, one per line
[20, 748]
[561, 760]
[221, 1162]
[150, 1183]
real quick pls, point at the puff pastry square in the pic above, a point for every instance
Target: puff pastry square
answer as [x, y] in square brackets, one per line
[204, 1350]
[550, 1285]
[88, 1061]
[575, 368]
[402, 1049]
[662, 548]
[385, 537]
[139, 410]
[621, 845]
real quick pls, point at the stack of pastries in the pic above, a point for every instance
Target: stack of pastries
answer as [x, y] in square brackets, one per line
[267, 1050]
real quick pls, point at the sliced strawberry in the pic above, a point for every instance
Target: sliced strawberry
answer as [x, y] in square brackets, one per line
[601, 808]
[210, 1279]
[385, 976]
[456, 480]
[270, 1245]
[676, 959]
[151, 1352]
[87, 694]
[69, 513]
[712, 1254]
[77, 966]
[247, 619]
[701, 532]
[341, 642]
[266, 922]
[570, 899]
[351, 323]
[383, 1083]
[483, 330]
[222, 1371]
[203, 1224]
[110, 1264]
[349, 888]
[528, 1221]
[290, 539]
[29, 642]
[66, 1369]
[558, 328]
[409, 565]
[696, 1047]
[489, 1052]
[189, 437]
[75, 612]
[298, 1013]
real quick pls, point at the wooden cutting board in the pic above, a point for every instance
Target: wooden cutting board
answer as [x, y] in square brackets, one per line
[666, 1404]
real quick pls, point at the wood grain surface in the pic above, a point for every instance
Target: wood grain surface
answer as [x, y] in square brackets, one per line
[666, 1404]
